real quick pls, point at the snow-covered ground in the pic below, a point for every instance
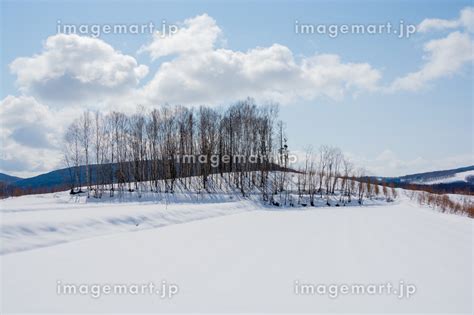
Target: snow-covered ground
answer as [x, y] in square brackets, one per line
[43, 220]
[230, 254]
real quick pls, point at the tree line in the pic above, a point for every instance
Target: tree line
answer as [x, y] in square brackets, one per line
[329, 174]
[152, 150]
[458, 205]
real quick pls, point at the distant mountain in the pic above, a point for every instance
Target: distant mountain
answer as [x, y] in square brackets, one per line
[56, 178]
[448, 181]
[8, 179]
[462, 174]
[60, 178]
[52, 181]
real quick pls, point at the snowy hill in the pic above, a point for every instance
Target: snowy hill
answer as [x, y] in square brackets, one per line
[437, 177]
[445, 181]
[466, 177]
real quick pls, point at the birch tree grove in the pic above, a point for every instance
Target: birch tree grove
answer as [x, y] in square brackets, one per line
[331, 175]
[152, 150]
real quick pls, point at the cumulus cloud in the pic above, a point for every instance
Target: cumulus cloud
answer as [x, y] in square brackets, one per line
[30, 133]
[200, 73]
[465, 20]
[26, 121]
[195, 35]
[444, 57]
[75, 68]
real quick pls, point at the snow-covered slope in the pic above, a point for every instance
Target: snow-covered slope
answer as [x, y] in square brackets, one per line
[34, 221]
[44, 220]
[457, 177]
[244, 262]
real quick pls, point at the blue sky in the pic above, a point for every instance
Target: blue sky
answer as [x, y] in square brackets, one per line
[390, 131]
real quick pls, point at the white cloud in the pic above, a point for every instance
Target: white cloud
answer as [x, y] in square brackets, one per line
[27, 122]
[465, 20]
[194, 35]
[74, 68]
[30, 134]
[444, 57]
[200, 73]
